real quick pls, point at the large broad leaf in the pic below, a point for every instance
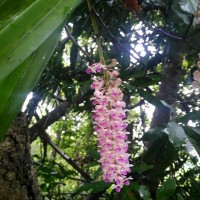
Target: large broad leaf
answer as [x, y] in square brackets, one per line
[166, 190]
[144, 193]
[150, 98]
[17, 84]
[176, 133]
[26, 45]
[187, 136]
[146, 95]
[31, 28]
[193, 135]
[9, 13]
[189, 6]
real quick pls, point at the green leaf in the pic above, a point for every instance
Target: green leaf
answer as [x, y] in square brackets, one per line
[26, 50]
[193, 135]
[183, 16]
[176, 133]
[143, 82]
[166, 190]
[155, 76]
[92, 152]
[92, 164]
[94, 187]
[146, 95]
[189, 6]
[97, 173]
[150, 98]
[195, 115]
[128, 86]
[127, 191]
[141, 168]
[179, 197]
[19, 83]
[154, 133]
[32, 27]
[188, 136]
[144, 193]
[9, 13]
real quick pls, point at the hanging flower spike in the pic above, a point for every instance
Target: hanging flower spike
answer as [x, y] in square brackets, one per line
[110, 124]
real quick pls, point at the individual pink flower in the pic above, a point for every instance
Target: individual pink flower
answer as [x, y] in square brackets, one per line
[196, 75]
[97, 67]
[196, 82]
[97, 85]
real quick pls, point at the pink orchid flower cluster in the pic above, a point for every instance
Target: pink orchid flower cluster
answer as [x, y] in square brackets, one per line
[110, 124]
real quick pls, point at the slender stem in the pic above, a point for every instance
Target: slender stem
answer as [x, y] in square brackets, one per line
[76, 43]
[96, 32]
[99, 48]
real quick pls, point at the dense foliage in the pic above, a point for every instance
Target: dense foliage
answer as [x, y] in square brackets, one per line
[156, 44]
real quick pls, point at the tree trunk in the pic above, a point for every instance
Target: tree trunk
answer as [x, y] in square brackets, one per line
[161, 153]
[17, 177]
[169, 86]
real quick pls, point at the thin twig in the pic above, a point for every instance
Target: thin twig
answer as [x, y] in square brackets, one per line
[177, 38]
[168, 34]
[189, 26]
[114, 39]
[76, 43]
[65, 157]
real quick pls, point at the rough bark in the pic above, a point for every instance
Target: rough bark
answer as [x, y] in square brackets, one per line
[17, 176]
[169, 88]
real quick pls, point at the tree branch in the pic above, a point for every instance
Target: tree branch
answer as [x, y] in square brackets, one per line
[65, 157]
[49, 119]
[54, 115]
